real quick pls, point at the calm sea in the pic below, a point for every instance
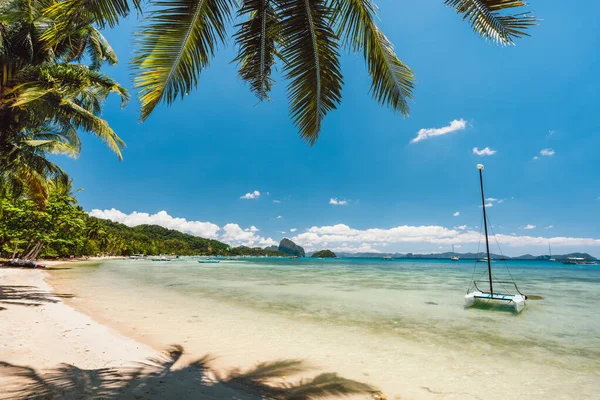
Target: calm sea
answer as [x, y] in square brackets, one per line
[398, 324]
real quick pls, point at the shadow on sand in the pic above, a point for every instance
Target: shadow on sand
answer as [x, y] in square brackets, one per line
[158, 379]
[28, 296]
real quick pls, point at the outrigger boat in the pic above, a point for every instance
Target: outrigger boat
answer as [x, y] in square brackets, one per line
[517, 301]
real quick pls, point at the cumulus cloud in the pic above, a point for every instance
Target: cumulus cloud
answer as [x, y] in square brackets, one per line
[337, 202]
[461, 227]
[341, 236]
[456, 125]
[529, 226]
[293, 230]
[456, 214]
[484, 152]
[279, 217]
[162, 218]
[547, 152]
[236, 236]
[232, 234]
[549, 227]
[251, 196]
[536, 158]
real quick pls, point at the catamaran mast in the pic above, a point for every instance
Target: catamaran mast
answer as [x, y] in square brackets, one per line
[487, 243]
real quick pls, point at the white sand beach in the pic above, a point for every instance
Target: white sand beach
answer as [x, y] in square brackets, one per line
[51, 351]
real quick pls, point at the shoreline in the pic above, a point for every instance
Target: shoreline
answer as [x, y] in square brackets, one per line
[51, 349]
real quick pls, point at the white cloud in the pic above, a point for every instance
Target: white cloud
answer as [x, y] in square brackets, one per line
[456, 125]
[456, 214]
[549, 227]
[232, 234]
[251, 196]
[341, 236]
[484, 152]
[236, 236]
[536, 158]
[293, 230]
[529, 226]
[279, 217]
[500, 201]
[337, 202]
[283, 232]
[547, 152]
[461, 227]
[162, 218]
[276, 201]
[491, 199]
[551, 132]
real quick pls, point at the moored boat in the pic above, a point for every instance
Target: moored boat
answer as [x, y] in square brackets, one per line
[515, 300]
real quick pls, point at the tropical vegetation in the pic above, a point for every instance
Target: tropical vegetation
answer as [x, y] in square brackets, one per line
[178, 39]
[63, 229]
[47, 95]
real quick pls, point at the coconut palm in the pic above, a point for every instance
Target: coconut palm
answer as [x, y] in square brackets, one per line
[45, 98]
[179, 37]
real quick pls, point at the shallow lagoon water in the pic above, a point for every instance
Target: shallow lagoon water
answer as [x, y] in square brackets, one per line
[398, 324]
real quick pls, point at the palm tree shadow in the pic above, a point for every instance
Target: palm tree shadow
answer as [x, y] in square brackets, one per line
[158, 378]
[28, 296]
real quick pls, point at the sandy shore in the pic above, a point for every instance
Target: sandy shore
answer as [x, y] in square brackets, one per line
[49, 350]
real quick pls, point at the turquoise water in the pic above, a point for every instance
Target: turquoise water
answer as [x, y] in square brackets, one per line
[409, 304]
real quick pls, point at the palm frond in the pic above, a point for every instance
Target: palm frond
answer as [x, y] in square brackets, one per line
[84, 119]
[392, 80]
[256, 38]
[101, 12]
[486, 17]
[99, 50]
[178, 41]
[312, 63]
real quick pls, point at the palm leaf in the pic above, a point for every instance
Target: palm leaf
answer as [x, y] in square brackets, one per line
[256, 38]
[99, 50]
[101, 12]
[178, 41]
[312, 63]
[392, 80]
[486, 18]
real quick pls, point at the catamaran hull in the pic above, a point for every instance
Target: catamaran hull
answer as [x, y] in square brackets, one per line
[517, 302]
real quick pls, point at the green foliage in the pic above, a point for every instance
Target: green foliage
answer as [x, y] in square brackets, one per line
[63, 229]
[46, 97]
[324, 254]
[179, 38]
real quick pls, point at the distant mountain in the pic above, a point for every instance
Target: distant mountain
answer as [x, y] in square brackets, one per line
[291, 248]
[463, 256]
[272, 248]
[324, 254]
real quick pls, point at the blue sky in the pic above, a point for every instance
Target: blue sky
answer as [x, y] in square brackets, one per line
[195, 159]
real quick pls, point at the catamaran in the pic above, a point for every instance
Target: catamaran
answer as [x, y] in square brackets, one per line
[477, 295]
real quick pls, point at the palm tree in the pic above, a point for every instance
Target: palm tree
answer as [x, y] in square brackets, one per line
[179, 38]
[45, 98]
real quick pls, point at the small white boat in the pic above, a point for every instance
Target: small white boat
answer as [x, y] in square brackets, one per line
[516, 300]
[454, 257]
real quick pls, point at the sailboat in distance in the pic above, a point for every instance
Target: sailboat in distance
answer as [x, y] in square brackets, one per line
[454, 256]
[550, 250]
[517, 301]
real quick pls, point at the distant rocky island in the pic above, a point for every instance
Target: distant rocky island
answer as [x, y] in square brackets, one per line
[324, 254]
[288, 247]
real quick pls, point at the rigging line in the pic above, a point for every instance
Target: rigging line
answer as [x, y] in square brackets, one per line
[501, 254]
[499, 249]
[475, 261]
